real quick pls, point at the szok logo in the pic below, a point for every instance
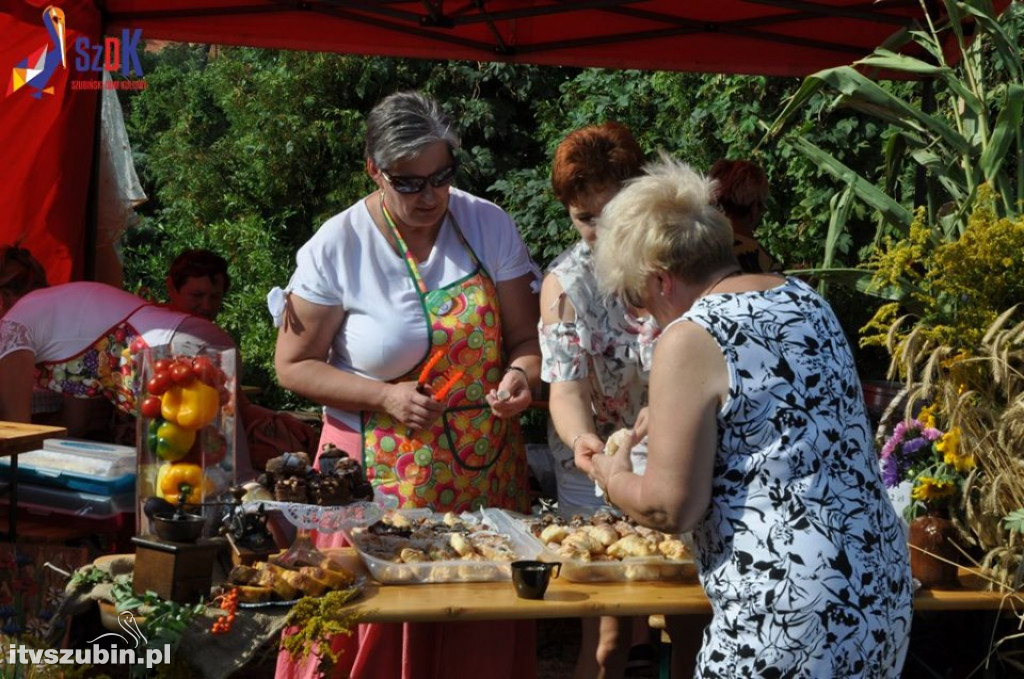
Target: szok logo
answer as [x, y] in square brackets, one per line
[113, 55]
[36, 70]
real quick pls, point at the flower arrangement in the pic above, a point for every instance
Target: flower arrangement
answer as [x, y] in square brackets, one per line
[956, 341]
[932, 460]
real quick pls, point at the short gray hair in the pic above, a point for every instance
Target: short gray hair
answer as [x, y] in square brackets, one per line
[664, 220]
[402, 124]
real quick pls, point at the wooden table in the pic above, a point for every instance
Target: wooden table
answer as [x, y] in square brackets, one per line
[497, 600]
[564, 599]
[21, 437]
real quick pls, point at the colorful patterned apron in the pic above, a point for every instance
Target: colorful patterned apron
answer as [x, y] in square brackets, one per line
[105, 368]
[469, 458]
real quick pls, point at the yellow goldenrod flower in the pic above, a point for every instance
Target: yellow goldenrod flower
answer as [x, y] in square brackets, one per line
[927, 417]
[965, 463]
[949, 445]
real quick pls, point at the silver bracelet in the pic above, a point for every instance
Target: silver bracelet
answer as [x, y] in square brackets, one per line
[576, 438]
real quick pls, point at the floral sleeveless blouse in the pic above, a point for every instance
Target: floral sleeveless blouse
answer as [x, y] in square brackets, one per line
[606, 345]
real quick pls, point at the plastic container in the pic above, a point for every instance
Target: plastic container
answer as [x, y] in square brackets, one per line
[524, 546]
[629, 569]
[87, 466]
[46, 501]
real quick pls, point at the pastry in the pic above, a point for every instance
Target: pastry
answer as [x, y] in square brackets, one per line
[251, 594]
[291, 489]
[616, 440]
[288, 464]
[329, 491]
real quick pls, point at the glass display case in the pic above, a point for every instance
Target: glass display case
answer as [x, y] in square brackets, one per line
[186, 436]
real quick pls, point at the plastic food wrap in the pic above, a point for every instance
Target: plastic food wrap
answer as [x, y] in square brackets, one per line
[419, 546]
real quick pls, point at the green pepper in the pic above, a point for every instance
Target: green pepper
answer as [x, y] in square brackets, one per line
[170, 441]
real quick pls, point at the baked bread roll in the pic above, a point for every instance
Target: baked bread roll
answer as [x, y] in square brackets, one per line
[632, 545]
[616, 440]
[553, 533]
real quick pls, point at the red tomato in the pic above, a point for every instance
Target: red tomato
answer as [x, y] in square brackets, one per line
[206, 370]
[181, 373]
[159, 384]
[163, 365]
[150, 406]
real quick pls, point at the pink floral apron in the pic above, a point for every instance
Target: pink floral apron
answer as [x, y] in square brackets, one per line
[469, 458]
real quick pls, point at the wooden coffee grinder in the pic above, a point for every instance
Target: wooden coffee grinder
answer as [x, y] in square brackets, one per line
[176, 563]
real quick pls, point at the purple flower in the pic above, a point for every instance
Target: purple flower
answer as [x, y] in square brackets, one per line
[897, 437]
[913, 445]
[891, 474]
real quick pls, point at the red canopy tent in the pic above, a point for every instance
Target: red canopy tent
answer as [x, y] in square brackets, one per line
[48, 142]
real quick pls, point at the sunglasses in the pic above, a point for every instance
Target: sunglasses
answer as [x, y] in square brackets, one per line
[442, 177]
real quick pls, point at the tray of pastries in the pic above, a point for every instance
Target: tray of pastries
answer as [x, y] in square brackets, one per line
[267, 583]
[606, 547]
[420, 546]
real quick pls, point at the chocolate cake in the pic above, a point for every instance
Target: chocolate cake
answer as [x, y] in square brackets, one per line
[291, 489]
[330, 491]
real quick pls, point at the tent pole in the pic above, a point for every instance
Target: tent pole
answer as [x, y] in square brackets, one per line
[92, 206]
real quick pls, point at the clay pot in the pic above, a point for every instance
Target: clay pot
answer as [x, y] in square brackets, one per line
[933, 556]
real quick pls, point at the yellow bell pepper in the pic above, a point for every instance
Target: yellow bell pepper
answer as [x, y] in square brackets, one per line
[172, 478]
[193, 405]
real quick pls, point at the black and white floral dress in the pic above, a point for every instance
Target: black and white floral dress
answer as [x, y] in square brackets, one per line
[801, 554]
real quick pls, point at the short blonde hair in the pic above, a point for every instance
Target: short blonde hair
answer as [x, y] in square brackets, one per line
[664, 220]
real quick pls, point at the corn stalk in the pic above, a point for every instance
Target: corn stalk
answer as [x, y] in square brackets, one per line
[975, 136]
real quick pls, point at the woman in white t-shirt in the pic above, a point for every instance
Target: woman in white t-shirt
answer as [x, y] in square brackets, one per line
[411, 317]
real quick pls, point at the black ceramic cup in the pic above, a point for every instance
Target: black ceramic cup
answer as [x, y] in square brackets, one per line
[531, 578]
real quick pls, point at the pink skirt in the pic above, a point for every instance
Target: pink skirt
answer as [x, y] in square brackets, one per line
[504, 649]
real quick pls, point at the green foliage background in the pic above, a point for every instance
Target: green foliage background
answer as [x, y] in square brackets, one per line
[247, 151]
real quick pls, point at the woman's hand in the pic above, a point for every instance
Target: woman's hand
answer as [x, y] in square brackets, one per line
[414, 408]
[640, 426]
[512, 396]
[604, 467]
[585, 447]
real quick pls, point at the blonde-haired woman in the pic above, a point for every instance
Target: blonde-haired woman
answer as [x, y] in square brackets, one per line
[759, 442]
